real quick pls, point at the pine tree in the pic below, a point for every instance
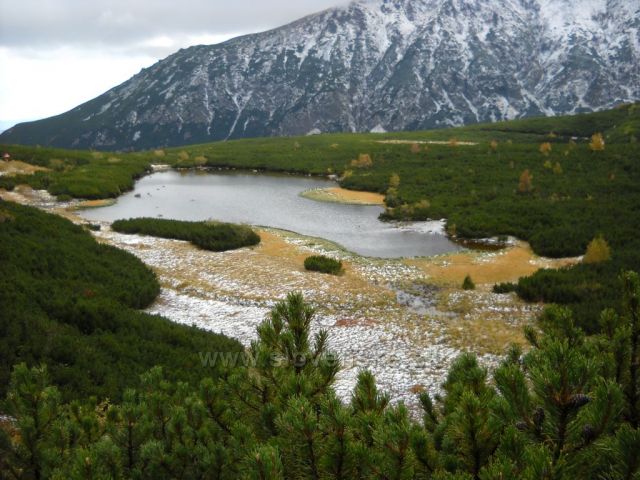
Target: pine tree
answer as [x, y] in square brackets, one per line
[623, 340]
[367, 407]
[525, 184]
[569, 407]
[394, 181]
[287, 364]
[36, 407]
[597, 142]
[393, 439]
[129, 429]
[339, 453]
[300, 439]
[99, 460]
[264, 463]
[468, 284]
[557, 169]
[598, 251]
[466, 434]
[545, 148]
[631, 282]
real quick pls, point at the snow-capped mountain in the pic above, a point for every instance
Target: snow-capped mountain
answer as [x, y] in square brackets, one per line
[373, 65]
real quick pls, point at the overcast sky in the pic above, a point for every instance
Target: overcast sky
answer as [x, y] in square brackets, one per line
[56, 54]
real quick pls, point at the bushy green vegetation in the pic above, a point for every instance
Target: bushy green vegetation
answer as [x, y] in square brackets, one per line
[467, 283]
[570, 408]
[71, 303]
[507, 287]
[574, 193]
[79, 173]
[214, 236]
[320, 263]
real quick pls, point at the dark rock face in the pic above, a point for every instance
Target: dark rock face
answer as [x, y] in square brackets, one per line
[371, 66]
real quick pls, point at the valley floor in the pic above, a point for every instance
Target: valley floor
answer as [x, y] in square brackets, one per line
[405, 320]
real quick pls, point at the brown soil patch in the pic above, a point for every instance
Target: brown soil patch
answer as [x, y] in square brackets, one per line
[25, 195]
[417, 389]
[278, 257]
[69, 215]
[506, 265]
[352, 322]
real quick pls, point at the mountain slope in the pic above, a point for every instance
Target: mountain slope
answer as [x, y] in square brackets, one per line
[373, 65]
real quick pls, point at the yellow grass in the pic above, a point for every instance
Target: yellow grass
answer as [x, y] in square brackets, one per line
[506, 265]
[341, 195]
[16, 167]
[484, 333]
[95, 203]
[485, 323]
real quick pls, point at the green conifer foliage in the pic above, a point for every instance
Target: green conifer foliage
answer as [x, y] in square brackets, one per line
[564, 410]
[264, 464]
[36, 407]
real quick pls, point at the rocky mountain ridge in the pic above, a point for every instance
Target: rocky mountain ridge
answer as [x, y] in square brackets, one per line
[374, 65]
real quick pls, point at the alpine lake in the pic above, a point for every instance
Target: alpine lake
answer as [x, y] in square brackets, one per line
[275, 201]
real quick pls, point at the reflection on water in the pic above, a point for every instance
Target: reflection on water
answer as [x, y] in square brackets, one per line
[271, 201]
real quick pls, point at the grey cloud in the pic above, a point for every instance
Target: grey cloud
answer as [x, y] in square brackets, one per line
[123, 24]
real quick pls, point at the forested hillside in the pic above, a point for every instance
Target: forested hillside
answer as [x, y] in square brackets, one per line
[71, 304]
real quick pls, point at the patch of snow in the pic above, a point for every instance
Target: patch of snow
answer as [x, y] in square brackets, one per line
[104, 108]
[158, 167]
[240, 101]
[309, 44]
[430, 226]
[563, 16]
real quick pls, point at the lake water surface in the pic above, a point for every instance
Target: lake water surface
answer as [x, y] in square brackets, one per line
[273, 201]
